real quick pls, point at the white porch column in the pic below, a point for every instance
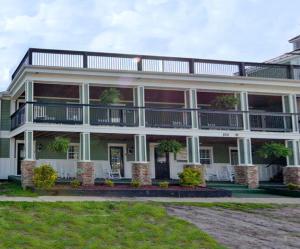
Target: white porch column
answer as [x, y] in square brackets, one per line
[246, 173]
[84, 94]
[193, 151]
[245, 151]
[29, 98]
[85, 168]
[289, 105]
[85, 150]
[139, 101]
[191, 103]
[29, 145]
[140, 144]
[245, 109]
[291, 173]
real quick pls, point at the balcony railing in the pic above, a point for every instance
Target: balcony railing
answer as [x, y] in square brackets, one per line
[146, 63]
[220, 120]
[168, 118]
[57, 113]
[177, 118]
[113, 115]
[18, 118]
[277, 122]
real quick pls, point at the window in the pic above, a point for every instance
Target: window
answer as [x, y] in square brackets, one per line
[73, 151]
[206, 155]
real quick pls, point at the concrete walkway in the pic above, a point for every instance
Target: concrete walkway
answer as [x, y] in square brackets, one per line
[283, 200]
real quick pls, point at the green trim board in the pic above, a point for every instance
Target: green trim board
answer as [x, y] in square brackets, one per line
[4, 147]
[5, 115]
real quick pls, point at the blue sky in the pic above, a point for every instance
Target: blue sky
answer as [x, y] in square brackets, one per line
[248, 30]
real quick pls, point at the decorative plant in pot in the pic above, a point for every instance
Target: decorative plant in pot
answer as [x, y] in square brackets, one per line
[110, 96]
[169, 146]
[59, 145]
[225, 102]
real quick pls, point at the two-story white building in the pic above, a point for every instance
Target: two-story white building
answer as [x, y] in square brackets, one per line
[57, 93]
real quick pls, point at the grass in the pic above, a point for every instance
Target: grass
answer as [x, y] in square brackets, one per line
[245, 207]
[14, 189]
[96, 225]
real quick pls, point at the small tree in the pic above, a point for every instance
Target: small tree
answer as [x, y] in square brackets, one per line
[59, 145]
[169, 146]
[273, 151]
[225, 102]
[110, 96]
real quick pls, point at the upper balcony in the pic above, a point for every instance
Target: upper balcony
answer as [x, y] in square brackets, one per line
[159, 64]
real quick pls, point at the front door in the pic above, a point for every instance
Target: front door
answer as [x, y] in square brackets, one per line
[21, 156]
[162, 165]
[117, 159]
[234, 157]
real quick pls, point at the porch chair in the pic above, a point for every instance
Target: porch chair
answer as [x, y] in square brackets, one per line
[113, 173]
[210, 173]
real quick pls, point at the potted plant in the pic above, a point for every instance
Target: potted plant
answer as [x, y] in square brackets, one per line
[59, 145]
[225, 102]
[169, 146]
[110, 96]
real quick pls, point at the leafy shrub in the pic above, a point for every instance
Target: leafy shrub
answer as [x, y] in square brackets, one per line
[44, 177]
[60, 145]
[75, 183]
[225, 102]
[292, 186]
[109, 183]
[110, 96]
[166, 146]
[164, 184]
[190, 177]
[135, 183]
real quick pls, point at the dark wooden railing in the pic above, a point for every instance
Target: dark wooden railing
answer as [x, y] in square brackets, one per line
[17, 118]
[220, 120]
[177, 118]
[148, 63]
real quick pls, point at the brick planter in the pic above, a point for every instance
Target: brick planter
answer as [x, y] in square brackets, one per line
[86, 173]
[27, 168]
[141, 172]
[201, 168]
[247, 175]
[291, 174]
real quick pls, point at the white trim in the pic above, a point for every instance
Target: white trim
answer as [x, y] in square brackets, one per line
[229, 151]
[211, 151]
[74, 144]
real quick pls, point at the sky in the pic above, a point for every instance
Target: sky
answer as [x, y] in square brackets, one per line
[244, 30]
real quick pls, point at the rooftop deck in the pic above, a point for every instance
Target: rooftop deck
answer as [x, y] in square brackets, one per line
[160, 64]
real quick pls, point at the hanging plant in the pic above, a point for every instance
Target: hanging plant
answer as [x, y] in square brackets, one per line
[225, 102]
[169, 146]
[110, 96]
[59, 145]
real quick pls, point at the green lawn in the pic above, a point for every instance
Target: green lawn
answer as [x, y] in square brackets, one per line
[14, 189]
[96, 225]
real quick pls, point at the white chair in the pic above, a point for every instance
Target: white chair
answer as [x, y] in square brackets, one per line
[210, 173]
[113, 174]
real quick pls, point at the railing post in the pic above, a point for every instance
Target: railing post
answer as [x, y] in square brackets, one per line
[139, 101]
[290, 69]
[29, 100]
[139, 63]
[30, 56]
[84, 93]
[191, 103]
[191, 66]
[85, 60]
[242, 69]
[245, 109]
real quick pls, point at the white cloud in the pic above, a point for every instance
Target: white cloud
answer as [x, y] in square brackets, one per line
[232, 29]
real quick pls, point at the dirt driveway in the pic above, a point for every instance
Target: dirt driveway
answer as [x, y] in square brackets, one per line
[278, 228]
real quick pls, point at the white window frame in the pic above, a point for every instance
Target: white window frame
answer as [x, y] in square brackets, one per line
[73, 144]
[211, 151]
[229, 151]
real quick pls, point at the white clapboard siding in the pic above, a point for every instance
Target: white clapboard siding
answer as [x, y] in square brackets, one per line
[7, 167]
